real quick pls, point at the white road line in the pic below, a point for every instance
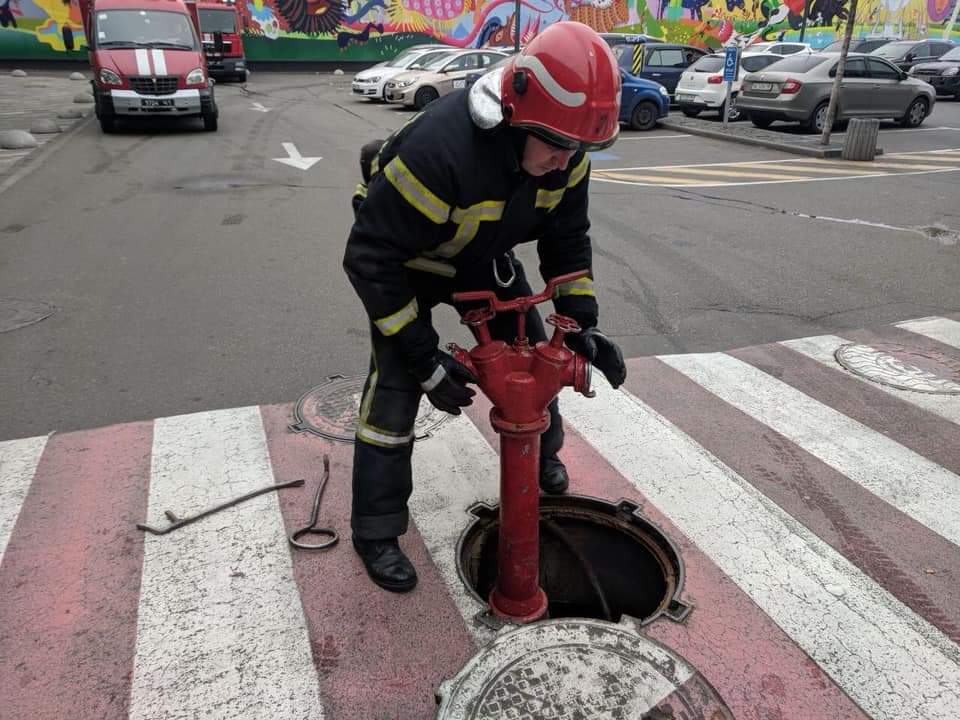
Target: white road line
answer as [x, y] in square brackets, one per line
[18, 463]
[941, 329]
[221, 632]
[908, 481]
[454, 469]
[891, 662]
[596, 176]
[822, 347]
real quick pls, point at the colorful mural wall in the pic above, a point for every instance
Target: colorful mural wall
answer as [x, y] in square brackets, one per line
[366, 30]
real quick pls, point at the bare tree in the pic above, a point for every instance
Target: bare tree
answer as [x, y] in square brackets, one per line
[835, 93]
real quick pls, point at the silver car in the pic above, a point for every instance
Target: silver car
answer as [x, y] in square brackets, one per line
[797, 89]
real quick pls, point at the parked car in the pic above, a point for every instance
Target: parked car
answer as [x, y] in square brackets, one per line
[642, 102]
[798, 89]
[420, 88]
[702, 87]
[864, 45]
[943, 75]
[372, 82]
[614, 39]
[472, 77]
[779, 48]
[907, 53]
[660, 62]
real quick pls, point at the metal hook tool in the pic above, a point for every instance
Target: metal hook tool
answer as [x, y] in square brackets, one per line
[312, 528]
[176, 522]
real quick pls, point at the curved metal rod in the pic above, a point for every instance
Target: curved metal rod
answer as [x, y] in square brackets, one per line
[312, 528]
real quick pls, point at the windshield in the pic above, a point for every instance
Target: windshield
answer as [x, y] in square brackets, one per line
[436, 61]
[835, 46]
[708, 63]
[952, 55]
[429, 60]
[798, 63]
[218, 21]
[144, 28]
[894, 49]
[404, 59]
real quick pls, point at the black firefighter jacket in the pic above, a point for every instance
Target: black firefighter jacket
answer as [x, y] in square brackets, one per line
[445, 199]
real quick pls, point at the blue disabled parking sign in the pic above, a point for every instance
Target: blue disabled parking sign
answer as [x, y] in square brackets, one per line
[730, 64]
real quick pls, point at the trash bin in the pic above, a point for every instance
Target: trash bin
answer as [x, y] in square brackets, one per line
[861, 140]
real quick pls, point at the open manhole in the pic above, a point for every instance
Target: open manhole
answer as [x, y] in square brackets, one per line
[578, 669]
[597, 560]
[331, 410]
[903, 367]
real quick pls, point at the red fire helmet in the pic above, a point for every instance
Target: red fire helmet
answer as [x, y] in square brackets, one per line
[564, 87]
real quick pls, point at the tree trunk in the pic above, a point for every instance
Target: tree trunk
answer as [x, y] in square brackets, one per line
[835, 93]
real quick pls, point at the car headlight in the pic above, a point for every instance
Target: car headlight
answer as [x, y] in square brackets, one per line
[195, 77]
[109, 77]
[664, 91]
[404, 83]
[951, 71]
[375, 78]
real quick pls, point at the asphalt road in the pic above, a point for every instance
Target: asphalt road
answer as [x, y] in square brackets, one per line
[192, 271]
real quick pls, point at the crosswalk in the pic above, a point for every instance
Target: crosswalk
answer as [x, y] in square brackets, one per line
[765, 172]
[817, 513]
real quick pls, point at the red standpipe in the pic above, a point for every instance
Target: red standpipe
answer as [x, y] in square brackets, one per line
[520, 382]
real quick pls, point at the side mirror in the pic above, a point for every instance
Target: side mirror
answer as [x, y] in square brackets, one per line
[910, 56]
[904, 76]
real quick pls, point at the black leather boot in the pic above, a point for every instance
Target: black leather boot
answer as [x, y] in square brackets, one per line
[553, 476]
[386, 564]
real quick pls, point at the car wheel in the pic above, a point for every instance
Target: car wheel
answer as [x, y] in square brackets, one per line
[734, 113]
[107, 124]
[690, 112]
[818, 118]
[644, 116]
[761, 121]
[916, 113]
[210, 121]
[424, 97]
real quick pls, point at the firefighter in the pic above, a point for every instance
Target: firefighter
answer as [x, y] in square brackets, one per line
[449, 196]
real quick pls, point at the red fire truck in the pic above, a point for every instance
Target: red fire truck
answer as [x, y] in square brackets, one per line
[222, 43]
[147, 61]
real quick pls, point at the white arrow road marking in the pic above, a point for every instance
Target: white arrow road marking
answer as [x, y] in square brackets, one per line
[260, 108]
[296, 159]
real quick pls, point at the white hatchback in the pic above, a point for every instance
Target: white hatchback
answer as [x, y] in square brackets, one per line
[701, 86]
[370, 83]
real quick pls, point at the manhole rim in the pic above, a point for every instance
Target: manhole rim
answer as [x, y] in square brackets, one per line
[838, 356]
[303, 424]
[673, 607]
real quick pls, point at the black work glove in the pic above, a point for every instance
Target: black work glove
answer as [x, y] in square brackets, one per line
[446, 386]
[601, 351]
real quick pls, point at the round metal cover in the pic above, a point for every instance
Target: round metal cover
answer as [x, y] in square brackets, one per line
[331, 410]
[573, 668]
[15, 314]
[903, 367]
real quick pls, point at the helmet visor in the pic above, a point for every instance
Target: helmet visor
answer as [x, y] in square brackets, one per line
[563, 142]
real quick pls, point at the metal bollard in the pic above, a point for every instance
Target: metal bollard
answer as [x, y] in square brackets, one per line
[861, 140]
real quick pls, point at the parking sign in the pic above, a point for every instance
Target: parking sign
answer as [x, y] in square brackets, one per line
[730, 58]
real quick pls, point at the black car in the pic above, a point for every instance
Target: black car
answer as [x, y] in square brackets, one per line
[661, 62]
[907, 53]
[858, 46]
[944, 74]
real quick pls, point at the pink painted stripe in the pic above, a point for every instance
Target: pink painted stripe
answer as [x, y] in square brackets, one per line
[923, 432]
[70, 579]
[757, 669]
[378, 654]
[914, 564]
[894, 334]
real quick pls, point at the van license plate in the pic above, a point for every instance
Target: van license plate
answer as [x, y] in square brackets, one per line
[167, 102]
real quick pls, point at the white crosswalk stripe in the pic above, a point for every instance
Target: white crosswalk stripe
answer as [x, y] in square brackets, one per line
[18, 463]
[945, 330]
[906, 480]
[221, 632]
[887, 659]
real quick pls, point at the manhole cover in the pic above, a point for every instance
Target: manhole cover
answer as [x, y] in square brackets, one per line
[597, 560]
[15, 314]
[902, 367]
[568, 669]
[331, 410]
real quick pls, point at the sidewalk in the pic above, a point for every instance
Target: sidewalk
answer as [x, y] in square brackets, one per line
[745, 133]
[41, 96]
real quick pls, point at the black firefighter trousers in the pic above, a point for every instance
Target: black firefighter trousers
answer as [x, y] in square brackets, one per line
[382, 473]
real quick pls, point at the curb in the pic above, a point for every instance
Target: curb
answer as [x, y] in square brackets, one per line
[830, 151]
[30, 163]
